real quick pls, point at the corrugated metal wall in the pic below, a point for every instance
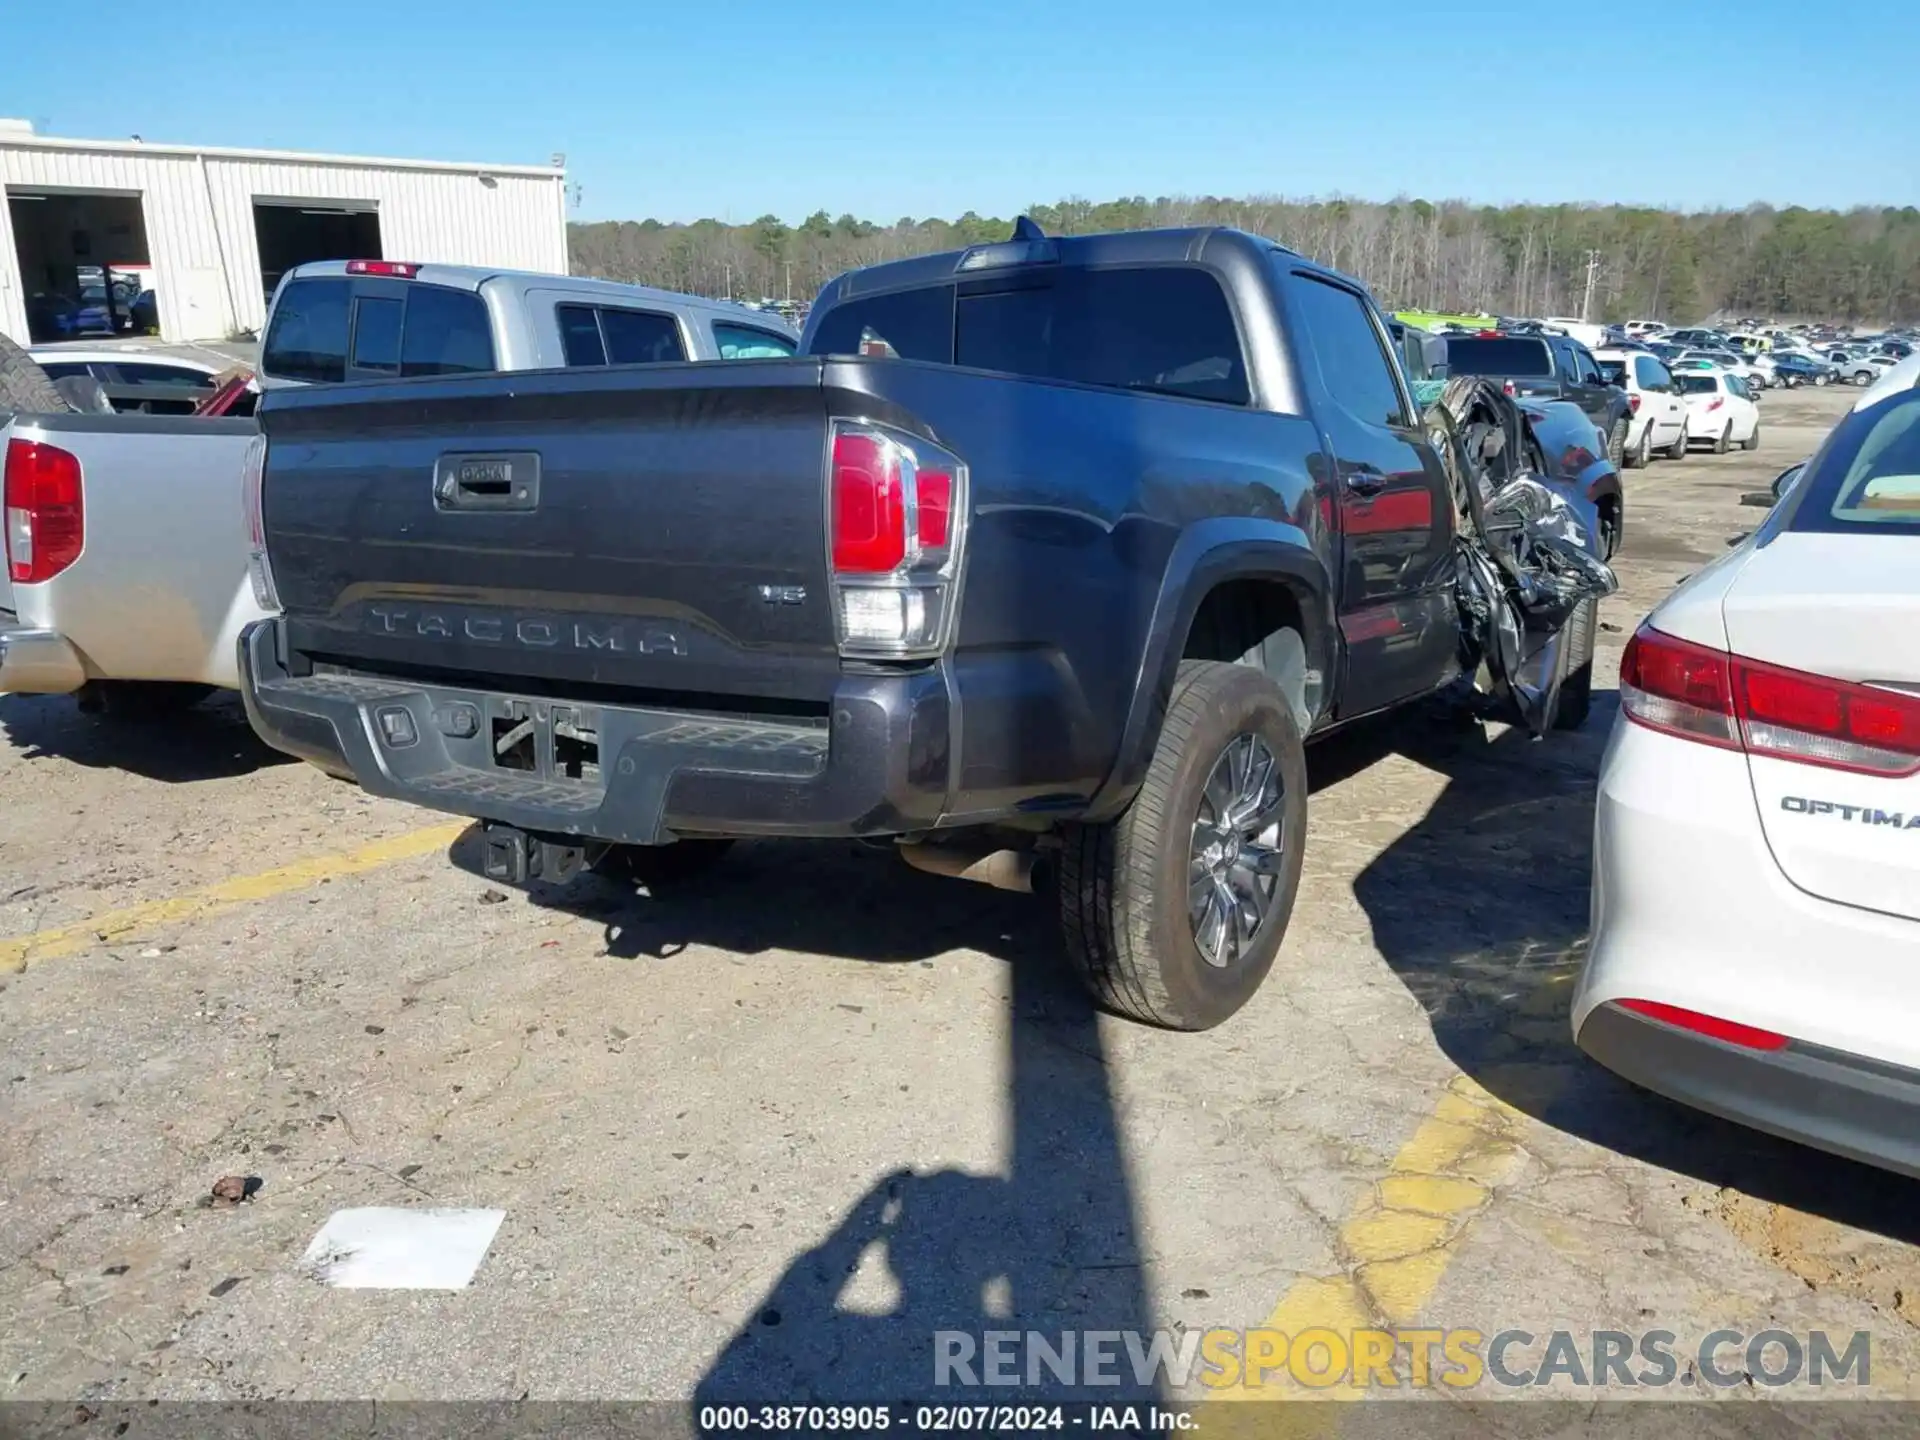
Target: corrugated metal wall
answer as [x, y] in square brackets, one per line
[200, 230]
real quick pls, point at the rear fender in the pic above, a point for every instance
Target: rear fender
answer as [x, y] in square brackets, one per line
[1575, 451]
[1209, 554]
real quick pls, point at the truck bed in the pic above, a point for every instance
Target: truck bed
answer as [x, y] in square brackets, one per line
[160, 590]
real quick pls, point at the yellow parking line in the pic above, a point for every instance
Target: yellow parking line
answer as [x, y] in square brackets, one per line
[121, 925]
[1393, 1250]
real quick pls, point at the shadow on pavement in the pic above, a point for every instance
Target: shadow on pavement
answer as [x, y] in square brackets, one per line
[1482, 911]
[210, 741]
[1051, 1245]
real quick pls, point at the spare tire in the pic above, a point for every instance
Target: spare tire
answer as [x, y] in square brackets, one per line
[24, 386]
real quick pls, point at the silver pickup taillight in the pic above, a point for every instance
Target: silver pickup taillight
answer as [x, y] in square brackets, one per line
[897, 512]
[252, 473]
[45, 510]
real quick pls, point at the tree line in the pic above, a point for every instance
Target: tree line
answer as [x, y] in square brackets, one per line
[1860, 265]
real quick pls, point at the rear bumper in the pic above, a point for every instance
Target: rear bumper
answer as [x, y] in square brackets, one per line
[1845, 1104]
[876, 764]
[37, 662]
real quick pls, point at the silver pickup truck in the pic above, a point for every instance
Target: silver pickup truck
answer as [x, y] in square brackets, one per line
[126, 541]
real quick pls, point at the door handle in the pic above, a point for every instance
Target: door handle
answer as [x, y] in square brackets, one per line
[1366, 481]
[500, 481]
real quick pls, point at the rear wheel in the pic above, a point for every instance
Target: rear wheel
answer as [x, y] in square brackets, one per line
[1617, 444]
[1576, 699]
[1724, 442]
[656, 866]
[1173, 913]
[1642, 455]
[1752, 442]
[1678, 449]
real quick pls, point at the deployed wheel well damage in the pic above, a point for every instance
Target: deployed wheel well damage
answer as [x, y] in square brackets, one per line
[1259, 623]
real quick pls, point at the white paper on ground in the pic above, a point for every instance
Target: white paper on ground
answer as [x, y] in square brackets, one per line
[384, 1247]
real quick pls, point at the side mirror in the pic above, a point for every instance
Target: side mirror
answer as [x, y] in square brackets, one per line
[1786, 480]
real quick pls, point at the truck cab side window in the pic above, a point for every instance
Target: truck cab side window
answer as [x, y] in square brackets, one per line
[1344, 341]
[640, 337]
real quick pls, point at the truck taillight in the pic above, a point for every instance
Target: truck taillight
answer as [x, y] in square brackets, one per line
[45, 516]
[897, 516]
[253, 472]
[1697, 693]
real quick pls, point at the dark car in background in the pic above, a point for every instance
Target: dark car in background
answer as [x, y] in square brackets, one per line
[1548, 367]
[1795, 370]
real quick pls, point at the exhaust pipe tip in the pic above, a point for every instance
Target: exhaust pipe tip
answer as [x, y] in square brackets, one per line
[1011, 870]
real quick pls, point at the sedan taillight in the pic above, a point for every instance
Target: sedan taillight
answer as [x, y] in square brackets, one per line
[1707, 695]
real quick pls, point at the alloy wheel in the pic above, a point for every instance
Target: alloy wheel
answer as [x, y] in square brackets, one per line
[1234, 865]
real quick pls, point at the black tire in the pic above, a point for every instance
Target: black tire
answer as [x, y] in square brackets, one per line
[1617, 444]
[1124, 886]
[1863, 378]
[1678, 449]
[1642, 455]
[1752, 442]
[660, 867]
[24, 386]
[1821, 379]
[1724, 441]
[1576, 699]
[144, 701]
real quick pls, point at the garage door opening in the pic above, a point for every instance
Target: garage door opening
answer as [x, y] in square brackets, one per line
[292, 232]
[83, 261]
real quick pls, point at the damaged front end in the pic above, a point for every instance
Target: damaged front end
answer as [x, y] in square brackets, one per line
[1529, 566]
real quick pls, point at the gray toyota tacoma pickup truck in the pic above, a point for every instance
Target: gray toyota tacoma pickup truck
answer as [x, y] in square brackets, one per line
[1043, 557]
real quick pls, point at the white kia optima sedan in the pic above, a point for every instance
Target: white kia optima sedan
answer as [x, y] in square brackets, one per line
[1756, 865]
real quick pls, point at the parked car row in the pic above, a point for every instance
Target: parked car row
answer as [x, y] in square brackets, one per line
[892, 586]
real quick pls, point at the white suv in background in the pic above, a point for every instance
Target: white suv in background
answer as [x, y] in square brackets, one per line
[1659, 420]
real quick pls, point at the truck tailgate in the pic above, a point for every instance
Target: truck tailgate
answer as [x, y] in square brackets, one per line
[650, 529]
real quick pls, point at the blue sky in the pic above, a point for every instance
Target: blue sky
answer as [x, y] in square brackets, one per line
[733, 108]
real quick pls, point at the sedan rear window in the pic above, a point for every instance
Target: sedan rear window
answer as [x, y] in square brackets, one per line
[1694, 383]
[1475, 356]
[1867, 476]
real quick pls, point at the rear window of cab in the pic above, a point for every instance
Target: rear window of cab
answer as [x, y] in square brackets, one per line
[326, 327]
[1867, 476]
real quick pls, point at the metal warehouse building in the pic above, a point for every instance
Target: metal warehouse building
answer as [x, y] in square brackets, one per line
[101, 235]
